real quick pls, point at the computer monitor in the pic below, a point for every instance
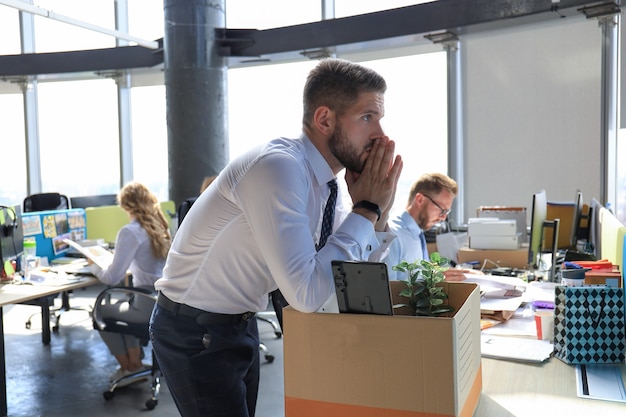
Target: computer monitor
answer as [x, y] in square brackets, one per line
[539, 215]
[94, 200]
[11, 236]
[576, 232]
[537, 224]
[594, 226]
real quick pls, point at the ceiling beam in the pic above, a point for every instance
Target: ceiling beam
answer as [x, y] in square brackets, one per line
[456, 16]
[123, 57]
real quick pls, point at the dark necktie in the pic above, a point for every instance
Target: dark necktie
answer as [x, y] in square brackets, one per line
[329, 214]
[424, 247]
[278, 300]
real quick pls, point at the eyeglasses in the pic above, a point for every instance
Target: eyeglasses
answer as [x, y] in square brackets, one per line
[444, 212]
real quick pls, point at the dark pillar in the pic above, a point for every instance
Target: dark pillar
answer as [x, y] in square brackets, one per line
[196, 89]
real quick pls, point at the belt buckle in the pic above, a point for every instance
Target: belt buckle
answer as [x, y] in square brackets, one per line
[247, 316]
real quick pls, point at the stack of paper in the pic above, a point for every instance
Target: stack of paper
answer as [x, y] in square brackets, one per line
[515, 348]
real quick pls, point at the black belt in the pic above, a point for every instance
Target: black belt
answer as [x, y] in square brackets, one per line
[202, 317]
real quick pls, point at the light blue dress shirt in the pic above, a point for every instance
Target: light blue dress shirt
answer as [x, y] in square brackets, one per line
[407, 246]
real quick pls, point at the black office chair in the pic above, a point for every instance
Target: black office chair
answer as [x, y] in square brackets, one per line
[46, 201]
[140, 330]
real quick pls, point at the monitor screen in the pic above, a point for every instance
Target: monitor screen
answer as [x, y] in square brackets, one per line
[594, 227]
[11, 236]
[538, 218]
[576, 232]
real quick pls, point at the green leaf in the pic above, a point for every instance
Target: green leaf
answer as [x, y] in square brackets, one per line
[425, 297]
[406, 293]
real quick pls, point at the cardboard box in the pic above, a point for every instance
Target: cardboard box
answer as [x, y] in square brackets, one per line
[349, 365]
[514, 258]
[494, 242]
[491, 227]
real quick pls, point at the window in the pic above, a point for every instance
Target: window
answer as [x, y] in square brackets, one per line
[254, 14]
[53, 35]
[345, 8]
[78, 130]
[149, 136]
[13, 145]
[415, 109]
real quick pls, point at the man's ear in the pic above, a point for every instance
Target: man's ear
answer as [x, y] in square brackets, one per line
[324, 120]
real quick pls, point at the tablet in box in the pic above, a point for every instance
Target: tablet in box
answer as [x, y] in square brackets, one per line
[362, 287]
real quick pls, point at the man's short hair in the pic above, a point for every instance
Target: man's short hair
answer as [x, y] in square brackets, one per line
[337, 84]
[432, 184]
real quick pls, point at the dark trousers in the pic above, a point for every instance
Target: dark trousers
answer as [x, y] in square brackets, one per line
[212, 368]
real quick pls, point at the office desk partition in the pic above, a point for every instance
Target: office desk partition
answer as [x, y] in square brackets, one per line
[515, 389]
[15, 294]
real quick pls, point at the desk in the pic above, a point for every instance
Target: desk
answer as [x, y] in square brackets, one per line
[514, 389]
[15, 294]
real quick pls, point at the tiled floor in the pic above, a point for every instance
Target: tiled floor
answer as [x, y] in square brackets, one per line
[69, 376]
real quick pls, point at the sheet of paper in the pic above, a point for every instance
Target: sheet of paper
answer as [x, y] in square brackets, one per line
[500, 304]
[600, 382]
[513, 327]
[99, 255]
[515, 348]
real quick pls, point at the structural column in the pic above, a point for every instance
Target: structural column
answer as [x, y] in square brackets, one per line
[196, 89]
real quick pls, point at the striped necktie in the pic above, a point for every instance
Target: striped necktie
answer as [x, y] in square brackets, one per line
[278, 300]
[329, 214]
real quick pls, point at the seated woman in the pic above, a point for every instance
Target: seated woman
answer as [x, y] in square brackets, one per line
[141, 247]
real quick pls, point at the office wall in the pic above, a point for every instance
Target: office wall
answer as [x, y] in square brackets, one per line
[532, 100]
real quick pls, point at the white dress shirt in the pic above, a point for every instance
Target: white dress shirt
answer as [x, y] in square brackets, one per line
[407, 245]
[255, 229]
[133, 253]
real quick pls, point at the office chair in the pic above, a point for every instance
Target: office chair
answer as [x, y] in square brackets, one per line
[46, 201]
[140, 330]
[182, 210]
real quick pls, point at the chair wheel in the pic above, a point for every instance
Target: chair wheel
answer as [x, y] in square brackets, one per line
[108, 395]
[27, 324]
[269, 358]
[150, 404]
[278, 334]
[55, 329]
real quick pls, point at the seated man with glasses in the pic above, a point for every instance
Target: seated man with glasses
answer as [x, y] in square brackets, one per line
[430, 200]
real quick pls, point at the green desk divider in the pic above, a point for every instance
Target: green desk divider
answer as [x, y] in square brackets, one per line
[104, 222]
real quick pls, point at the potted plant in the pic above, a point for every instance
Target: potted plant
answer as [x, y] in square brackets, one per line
[426, 297]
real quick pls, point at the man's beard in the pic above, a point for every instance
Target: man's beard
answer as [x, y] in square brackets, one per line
[424, 220]
[345, 153]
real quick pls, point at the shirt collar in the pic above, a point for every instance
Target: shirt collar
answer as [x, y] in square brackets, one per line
[411, 224]
[320, 167]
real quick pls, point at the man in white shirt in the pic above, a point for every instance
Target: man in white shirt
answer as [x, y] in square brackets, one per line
[257, 229]
[429, 202]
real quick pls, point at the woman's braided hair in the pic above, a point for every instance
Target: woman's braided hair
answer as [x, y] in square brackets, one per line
[144, 206]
